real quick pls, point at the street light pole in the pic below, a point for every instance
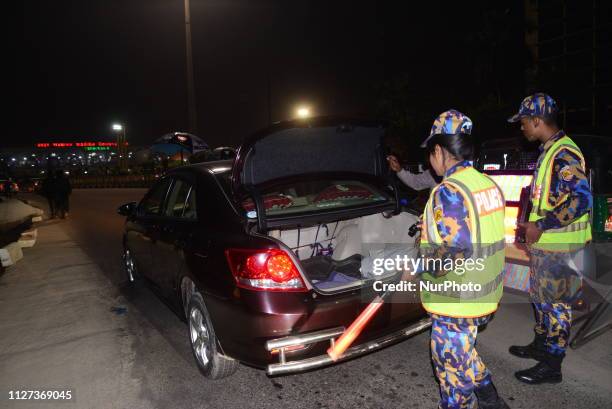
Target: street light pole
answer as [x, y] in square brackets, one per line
[191, 100]
[121, 146]
[269, 99]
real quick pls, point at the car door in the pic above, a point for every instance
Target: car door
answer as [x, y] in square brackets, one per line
[176, 230]
[143, 228]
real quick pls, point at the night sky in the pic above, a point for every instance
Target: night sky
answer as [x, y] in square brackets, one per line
[86, 64]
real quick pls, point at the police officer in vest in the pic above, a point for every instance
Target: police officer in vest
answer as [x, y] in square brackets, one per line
[556, 233]
[463, 224]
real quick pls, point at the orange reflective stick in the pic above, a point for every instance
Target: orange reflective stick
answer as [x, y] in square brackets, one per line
[353, 331]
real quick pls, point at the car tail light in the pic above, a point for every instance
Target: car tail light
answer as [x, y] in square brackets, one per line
[266, 270]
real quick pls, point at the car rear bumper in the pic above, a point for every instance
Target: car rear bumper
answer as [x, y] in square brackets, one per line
[284, 367]
[259, 317]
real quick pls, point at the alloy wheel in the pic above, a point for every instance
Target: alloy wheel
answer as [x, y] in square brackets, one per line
[130, 266]
[200, 338]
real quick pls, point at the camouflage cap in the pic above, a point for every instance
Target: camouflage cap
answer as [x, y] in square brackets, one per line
[538, 104]
[450, 122]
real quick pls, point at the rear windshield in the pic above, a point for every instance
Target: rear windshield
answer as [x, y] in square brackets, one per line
[311, 196]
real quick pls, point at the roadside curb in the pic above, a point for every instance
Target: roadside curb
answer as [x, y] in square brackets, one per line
[11, 253]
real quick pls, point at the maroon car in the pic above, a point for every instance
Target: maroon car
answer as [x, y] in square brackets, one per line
[264, 255]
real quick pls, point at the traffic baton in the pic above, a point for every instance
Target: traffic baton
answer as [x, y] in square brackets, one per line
[353, 331]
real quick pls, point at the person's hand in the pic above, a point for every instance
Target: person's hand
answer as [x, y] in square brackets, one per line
[394, 163]
[532, 232]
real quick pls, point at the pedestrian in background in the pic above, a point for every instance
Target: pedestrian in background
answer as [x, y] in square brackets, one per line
[463, 220]
[64, 189]
[556, 233]
[49, 191]
[57, 189]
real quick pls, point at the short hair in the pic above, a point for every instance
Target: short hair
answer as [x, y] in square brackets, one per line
[550, 120]
[460, 145]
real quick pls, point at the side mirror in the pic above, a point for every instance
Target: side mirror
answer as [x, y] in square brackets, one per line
[127, 209]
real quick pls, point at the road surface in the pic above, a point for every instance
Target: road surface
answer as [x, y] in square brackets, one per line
[141, 356]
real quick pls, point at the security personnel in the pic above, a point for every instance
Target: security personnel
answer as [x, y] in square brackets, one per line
[556, 233]
[463, 221]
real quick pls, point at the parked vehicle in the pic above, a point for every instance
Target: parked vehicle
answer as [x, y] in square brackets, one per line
[30, 185]
[219, 153]
[262, 255]
[8, 187]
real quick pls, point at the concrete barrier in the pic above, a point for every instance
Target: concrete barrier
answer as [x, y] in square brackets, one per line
[28, 238]
[10, 254]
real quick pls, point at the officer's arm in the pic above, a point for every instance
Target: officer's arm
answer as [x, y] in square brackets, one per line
[570, 193]
[452, 222]
[417, 181]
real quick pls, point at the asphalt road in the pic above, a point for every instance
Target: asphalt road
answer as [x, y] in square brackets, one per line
[154, 366]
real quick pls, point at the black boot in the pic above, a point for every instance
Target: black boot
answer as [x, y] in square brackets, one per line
[546, 371]
[536, 350]
[489, 399]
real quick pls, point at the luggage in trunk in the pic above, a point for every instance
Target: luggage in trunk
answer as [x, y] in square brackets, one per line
[340, 255]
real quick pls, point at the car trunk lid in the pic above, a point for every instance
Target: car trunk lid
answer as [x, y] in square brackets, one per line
[308, 148]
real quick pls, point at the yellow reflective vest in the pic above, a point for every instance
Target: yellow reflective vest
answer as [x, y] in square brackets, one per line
[564, 239]
[486, 208]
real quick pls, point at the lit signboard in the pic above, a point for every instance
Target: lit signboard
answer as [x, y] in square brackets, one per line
[512, 185]
[49, 145]
[96, 148]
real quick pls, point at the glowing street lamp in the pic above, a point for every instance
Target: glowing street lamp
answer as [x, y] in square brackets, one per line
[303, 112]
[121, 145]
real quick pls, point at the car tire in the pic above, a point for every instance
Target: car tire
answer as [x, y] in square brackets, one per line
[204, 346]
[131, 271]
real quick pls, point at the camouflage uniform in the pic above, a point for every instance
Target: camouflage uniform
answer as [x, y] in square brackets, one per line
[554, 281]
[457, 365]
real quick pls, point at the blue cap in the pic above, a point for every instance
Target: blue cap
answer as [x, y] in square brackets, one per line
[450, 122]
[538, 104]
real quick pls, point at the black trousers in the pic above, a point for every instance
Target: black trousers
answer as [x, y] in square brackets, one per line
[52, 206]
[58, 206]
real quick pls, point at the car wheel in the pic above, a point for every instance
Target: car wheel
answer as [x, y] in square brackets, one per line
[210, 361]
[130, 266]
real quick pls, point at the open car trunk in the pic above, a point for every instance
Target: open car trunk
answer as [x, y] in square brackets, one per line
[348, 154]
[329, 174]
[339, 255]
